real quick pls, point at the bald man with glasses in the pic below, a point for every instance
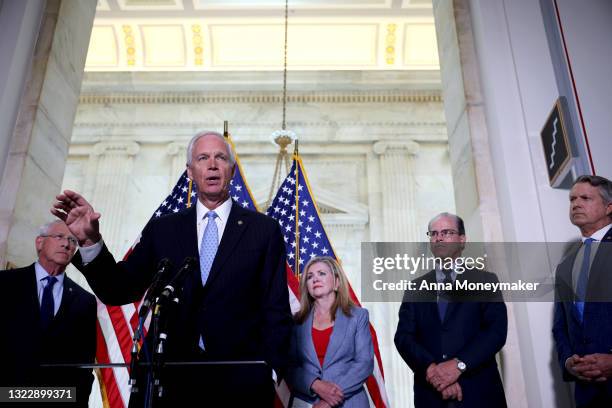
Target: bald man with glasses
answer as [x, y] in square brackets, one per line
[449, 342]
[47, 319]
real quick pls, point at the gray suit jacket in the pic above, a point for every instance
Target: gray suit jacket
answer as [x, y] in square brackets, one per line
[348, 362]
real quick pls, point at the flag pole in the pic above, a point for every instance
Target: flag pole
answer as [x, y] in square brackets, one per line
[297, 209]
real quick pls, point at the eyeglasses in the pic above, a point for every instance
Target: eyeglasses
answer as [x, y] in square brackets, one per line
[442, 234]
[60, 237]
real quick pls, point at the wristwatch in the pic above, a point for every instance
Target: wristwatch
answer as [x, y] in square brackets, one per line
[461, 366]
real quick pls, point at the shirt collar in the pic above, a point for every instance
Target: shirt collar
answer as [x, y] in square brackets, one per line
[440, 276]
[222, 211]
[41, 273]
[599, 234]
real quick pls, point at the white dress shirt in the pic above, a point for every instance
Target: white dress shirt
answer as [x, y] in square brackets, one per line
[222, 211]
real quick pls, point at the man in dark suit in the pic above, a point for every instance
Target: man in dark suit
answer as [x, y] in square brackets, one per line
[449, 341]
[47, 319]
[582, 325]
[235, 304]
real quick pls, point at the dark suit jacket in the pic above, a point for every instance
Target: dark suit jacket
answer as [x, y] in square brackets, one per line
[349, 359]
[594, 334]
[472, 331]
[71, 337]
[243, 311]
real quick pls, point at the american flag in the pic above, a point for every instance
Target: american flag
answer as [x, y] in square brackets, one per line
[116, 324]
[297, 213]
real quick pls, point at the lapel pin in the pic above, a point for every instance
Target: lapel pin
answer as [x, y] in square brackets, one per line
[239, 222]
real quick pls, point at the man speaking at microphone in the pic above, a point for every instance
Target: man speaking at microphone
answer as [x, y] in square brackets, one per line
[234, 304]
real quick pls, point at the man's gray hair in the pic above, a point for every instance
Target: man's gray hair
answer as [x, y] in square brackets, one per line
[44, 229]
[458, 221]
[199, 135]
[603, 185]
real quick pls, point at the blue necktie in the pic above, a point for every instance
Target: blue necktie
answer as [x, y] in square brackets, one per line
[208, 246]
[442, 296]
[47, 306]
[583, 278]
[208, 250]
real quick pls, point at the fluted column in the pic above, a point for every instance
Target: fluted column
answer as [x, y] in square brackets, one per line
[177, 151]
[398, 189]
[374, 198]
[395, 193]
[113, 173]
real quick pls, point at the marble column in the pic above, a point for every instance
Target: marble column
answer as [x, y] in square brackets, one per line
[398, 189]
[396, 184]
[35, 164]
[177, 151]
[374, 198]
[113, 175]
[470, 153]
[19, 26]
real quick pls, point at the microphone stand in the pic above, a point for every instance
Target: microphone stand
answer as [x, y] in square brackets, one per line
[163, 268]
[166, 305]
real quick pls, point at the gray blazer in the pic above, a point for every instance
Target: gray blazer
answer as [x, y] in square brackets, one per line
[348, 362]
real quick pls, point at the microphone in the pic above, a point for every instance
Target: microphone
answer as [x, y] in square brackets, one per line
[174, 284]
[159, 280]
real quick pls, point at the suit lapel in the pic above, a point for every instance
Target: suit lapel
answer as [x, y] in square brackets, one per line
[338, 334]
[33, 291]
[565, 275]
[597, 272]
[237, 223]
[187, 232]
[306, 335]
[67, 298]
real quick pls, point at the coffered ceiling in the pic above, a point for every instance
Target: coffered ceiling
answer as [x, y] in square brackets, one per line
[235, 35]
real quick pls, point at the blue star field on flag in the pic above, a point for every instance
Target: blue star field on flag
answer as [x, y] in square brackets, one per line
[302, 216]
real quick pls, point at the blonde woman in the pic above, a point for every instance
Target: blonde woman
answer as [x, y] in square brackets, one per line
[331, 349]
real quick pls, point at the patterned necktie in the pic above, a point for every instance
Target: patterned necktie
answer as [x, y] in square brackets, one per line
[208, 247]
[442, 297]
[47, 306]
[583, 278]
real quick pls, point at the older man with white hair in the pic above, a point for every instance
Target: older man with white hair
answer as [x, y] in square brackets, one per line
[47, 319]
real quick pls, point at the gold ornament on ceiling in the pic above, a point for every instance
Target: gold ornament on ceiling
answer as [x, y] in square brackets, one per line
[390, 44]
[198, 49]
[128, 38]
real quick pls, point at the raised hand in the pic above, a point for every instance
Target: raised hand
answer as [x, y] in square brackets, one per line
[79, 216]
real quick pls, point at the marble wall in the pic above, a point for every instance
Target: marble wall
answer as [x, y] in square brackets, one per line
[39, 141]
[377, 158]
